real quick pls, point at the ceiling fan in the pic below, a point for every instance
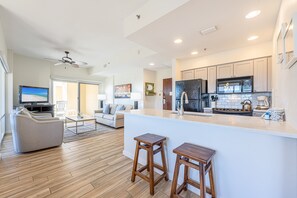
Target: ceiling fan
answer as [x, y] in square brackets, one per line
[67, 60]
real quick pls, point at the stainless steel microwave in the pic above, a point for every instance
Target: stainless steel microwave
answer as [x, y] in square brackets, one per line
[235, 85]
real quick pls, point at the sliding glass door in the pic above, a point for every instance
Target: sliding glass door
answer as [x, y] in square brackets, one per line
[2, 101]
[71, 98]
[65, 95]
[88, 98]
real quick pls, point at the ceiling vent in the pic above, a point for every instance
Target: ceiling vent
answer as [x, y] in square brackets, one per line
[208, 30]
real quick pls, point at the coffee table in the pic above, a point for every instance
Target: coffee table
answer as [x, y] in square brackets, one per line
[79, 119]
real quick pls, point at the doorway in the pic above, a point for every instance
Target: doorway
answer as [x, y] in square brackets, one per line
[167, 94]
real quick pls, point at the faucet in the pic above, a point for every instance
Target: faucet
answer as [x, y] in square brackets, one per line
[180, 110]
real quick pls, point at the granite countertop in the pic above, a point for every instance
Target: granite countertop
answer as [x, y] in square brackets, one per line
[258, 125]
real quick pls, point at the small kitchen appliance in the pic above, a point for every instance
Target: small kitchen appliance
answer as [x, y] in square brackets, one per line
[247, 105]
[263, 103]
[235, 85]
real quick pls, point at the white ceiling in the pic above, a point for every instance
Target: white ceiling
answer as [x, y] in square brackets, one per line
[92, 30]
[228, 16]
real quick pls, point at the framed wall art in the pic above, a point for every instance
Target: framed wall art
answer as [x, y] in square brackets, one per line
[122, 91]
[150, 89]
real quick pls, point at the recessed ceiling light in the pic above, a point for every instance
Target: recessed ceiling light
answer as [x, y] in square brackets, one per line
[152, 64]
[251, 38]
[177, 41]
[253, 14]
[194, 52]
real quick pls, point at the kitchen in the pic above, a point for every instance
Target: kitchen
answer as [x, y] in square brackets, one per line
[253, 155]
[240, 88]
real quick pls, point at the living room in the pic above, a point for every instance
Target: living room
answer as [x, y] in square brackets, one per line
[113, 73]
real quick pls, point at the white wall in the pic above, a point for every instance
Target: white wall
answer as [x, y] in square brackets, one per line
[137, 77]
[31, 72]
[284, 81]
[133, 76]
[37, 72]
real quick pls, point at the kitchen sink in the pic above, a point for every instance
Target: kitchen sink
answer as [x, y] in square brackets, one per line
[195, 114]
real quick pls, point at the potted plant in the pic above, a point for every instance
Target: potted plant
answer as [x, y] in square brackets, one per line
[214, 99]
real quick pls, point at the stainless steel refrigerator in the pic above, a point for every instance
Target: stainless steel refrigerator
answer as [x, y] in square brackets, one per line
[197, 94]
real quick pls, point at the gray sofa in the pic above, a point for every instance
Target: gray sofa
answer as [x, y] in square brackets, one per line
[112, 115]
[32, 132]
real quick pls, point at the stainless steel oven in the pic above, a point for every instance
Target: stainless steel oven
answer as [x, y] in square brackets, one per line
[235, 85]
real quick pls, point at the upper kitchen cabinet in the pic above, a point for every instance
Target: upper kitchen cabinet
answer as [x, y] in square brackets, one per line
[225, 71]
[261, 75]
[201, 73]
[244, 68]
[188, 75]
[212, 79]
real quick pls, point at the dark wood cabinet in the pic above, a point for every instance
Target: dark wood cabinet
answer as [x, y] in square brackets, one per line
[41, 108]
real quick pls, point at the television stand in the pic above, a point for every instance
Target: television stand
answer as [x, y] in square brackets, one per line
[41, 108]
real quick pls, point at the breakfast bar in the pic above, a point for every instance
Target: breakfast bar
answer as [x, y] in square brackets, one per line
[254, 157]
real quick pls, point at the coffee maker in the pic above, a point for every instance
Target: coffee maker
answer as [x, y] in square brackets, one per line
[263, 103]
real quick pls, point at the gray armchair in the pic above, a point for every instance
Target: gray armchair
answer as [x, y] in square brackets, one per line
[31, 134]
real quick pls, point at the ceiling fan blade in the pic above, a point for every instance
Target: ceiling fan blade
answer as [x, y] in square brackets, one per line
[51, 59]
[59, 63]
[75, 65]
[81, 63]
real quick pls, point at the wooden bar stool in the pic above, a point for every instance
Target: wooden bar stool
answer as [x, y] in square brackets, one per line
[147, 142]
[186, 153]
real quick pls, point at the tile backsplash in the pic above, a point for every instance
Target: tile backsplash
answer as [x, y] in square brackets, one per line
[234, 100]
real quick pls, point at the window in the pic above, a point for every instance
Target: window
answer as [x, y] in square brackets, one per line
[2, 101]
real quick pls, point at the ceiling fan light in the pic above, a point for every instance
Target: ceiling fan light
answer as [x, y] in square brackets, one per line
[253, 14]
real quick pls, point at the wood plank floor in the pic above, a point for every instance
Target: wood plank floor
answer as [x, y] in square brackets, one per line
[93, 167]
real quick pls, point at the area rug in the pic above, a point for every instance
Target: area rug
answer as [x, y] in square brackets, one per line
[83, 133]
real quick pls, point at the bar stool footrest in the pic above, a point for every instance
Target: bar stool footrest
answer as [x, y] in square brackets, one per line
[139, 174]
[197, 185]
[142, 168]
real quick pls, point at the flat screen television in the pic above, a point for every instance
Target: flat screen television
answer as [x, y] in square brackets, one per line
[33, 95]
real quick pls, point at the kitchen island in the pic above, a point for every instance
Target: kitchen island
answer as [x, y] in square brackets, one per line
[254, 158]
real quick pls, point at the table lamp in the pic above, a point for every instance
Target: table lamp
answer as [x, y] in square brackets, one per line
[136, 96]
[101, 98]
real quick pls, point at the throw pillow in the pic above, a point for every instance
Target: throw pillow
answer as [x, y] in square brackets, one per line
[106, 109]
[113, 109]
[129, 107]
[120, 108]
